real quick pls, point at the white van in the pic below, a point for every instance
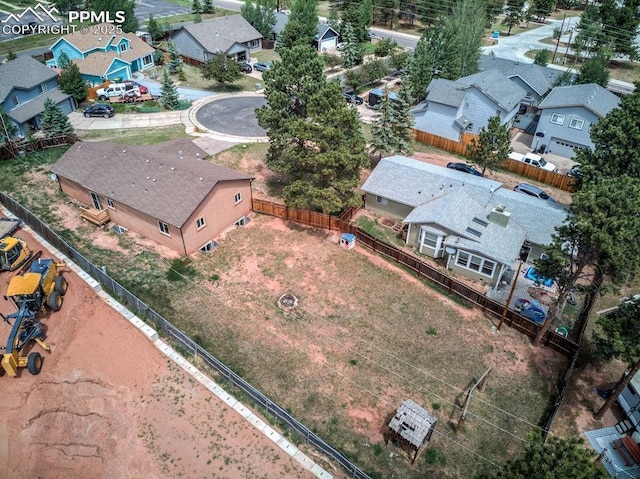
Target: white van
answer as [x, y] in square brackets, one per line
[533, 160]
[116, 90]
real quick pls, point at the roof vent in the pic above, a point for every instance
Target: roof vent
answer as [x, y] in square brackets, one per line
[79, 147]
[499, 216]
[146, 190]
[133, 184]
[173, 168]
[197, 156]
[146, 161]
[154, 180]
[124, 151]
[201, 178]
[148, 177]
[160, 164]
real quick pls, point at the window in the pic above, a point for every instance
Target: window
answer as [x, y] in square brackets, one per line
[200, 223]
[123, 47]
[382, 201]
[430, 240]
[475, 263]
[576, 123]
[164, 228]
[253, 44]
[208, 246]
[110, 204]
[43, 87]
[148, 60]
[16, 101]
[557, 119]
[237, 198]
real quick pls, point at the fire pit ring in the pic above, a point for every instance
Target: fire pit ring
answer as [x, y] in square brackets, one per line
[287, 302]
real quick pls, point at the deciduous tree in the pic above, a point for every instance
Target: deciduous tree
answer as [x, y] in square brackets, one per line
[53, 121]
[222, 69]
[595, 69]
[261, 14]
[154, 28]
[492, 146]
[6, 123]
[543, 57]
[305, 13]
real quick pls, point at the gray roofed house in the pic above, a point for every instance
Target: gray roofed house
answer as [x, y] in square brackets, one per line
[231, 35]
[165, 191]
[25, 84]
[566, 116]
[454, 108]
[487, 226]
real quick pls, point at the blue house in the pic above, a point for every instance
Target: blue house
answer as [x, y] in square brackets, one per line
[112, 56]
[465, 105]
[25, 84]
[566, 116]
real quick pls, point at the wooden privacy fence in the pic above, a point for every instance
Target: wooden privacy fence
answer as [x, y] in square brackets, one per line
[458, 147]
[92, 91]
[550, 178]
[421, 268]
[34, 144]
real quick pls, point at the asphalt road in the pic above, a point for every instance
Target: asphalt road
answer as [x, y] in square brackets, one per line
[233, 116]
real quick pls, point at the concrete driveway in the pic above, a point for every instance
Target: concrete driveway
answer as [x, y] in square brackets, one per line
[122, 121]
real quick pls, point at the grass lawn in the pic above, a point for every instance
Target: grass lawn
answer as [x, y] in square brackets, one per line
[132, 136]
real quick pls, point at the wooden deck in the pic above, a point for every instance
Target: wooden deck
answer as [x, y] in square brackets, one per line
[97, 217]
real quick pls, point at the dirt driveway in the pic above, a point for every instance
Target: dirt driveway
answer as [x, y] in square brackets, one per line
[108, 404]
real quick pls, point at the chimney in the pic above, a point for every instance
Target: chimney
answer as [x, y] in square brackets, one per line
[499, 216]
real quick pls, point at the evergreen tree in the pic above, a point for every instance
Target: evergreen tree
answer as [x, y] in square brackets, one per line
[565, 78]
[383, 139]
[196, 7]
[351, 52]
[618, 336]
[492, 147]
[169, 92]
[433, 11]
[222, 69]
[154, 28]
[208, 7]
[305, 13]
[542, 8]
[130, 23]
[11, 55]
[293, 34]
[556, 458]
[466, 25]
[8, 124]
[403, 122]
[261, 15]
[72, 83]
[175, 60]
[392, 129]
[158, 57]
[595, 70]
[354, 16]
[543, 57]
[197, 17]
[514, 14]
[333, 20]
[63, 60]
[53, 121]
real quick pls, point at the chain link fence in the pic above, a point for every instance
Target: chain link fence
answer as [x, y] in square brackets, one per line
[166, 329]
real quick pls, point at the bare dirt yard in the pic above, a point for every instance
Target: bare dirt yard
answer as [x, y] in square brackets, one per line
[107, 403]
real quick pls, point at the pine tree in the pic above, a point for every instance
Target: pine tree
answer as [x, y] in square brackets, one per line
[207, 7]
[492, 146]
[175, 61]
[404, 122]
[169, 92]
[154, 28]
[351, 54]
[11, 55]
[305, 13]
[53, 121]
[63, 60]
[334, 17]
[383, 138]
[72, 83]
[196, 7]
[595, 70]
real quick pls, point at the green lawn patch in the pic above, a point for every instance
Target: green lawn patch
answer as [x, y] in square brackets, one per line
[135, 136]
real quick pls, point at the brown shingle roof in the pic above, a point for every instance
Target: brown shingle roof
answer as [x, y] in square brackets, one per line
[152, 179]
[97, 63]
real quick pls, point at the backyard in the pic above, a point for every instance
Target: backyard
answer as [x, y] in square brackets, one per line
[365, 336]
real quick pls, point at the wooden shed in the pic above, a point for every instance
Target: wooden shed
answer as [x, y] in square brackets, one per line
[411, 428]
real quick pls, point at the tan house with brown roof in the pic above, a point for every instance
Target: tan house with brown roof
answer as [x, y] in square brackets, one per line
[167, 192]
[103, 53]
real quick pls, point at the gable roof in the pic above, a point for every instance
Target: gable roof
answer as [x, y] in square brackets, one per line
[152, 179]
[85, 43]
[461, 213]
[23, 72]
[497, 87]
[413, 182]
[220, 34]
[591, 96]
[323, 28]
[538, 77]
[28, 110]
[418, 184]
[98, 63]
[445, 92]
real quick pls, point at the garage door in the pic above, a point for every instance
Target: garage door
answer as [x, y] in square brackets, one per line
[562, 148]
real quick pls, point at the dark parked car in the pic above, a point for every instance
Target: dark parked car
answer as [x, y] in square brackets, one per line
[246, 67]
[262, 66]
[99, 109]
[353, 98]
[464, 168]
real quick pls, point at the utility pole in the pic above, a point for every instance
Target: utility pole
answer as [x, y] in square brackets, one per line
[506, 306]
[553, 60]
[568, 45]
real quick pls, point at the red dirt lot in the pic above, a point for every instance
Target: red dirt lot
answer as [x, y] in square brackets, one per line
[107, 403]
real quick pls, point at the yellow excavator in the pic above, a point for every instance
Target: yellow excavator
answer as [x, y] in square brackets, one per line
[14, 251]
[37, 288]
